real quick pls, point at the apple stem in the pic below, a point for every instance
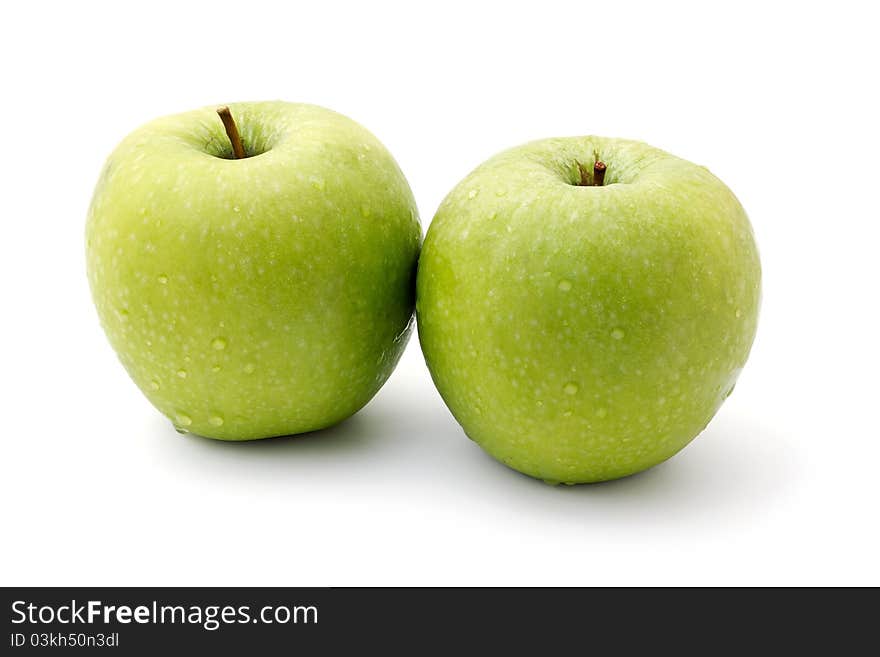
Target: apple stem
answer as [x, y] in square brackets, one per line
[598, 173]
[231, 132]
[596, 179]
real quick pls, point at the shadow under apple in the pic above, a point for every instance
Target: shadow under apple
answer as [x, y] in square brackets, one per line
[734, 468]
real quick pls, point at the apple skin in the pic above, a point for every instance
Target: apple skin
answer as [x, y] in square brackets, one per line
[259, 297]
[583, 333]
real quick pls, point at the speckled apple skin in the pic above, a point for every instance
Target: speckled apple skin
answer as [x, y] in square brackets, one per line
[582, 333]
[259, 297]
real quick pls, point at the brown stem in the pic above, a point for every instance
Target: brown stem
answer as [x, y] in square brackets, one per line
[598, 173]
[231, 132]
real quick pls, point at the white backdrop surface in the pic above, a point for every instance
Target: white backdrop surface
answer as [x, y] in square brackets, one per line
[777, 99]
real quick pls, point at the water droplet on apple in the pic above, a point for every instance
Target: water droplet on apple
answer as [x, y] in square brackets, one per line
[215, 421]
[601, 412]
[163, 279]
[617, 334]
[365, 210]
[216, 368]
[182, 374]
[564, 285]
[249, 368]
[738, 313]
[235, 208]
[566, 414]
[473, 193]
[154, 385]
[182, 419]
[500, 192]
[219, 344]
[571, 388]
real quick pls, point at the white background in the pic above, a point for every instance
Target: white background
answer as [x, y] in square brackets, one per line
[778, 100]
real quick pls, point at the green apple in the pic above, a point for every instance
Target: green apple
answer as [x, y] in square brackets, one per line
[258, 296]
[582, 330]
